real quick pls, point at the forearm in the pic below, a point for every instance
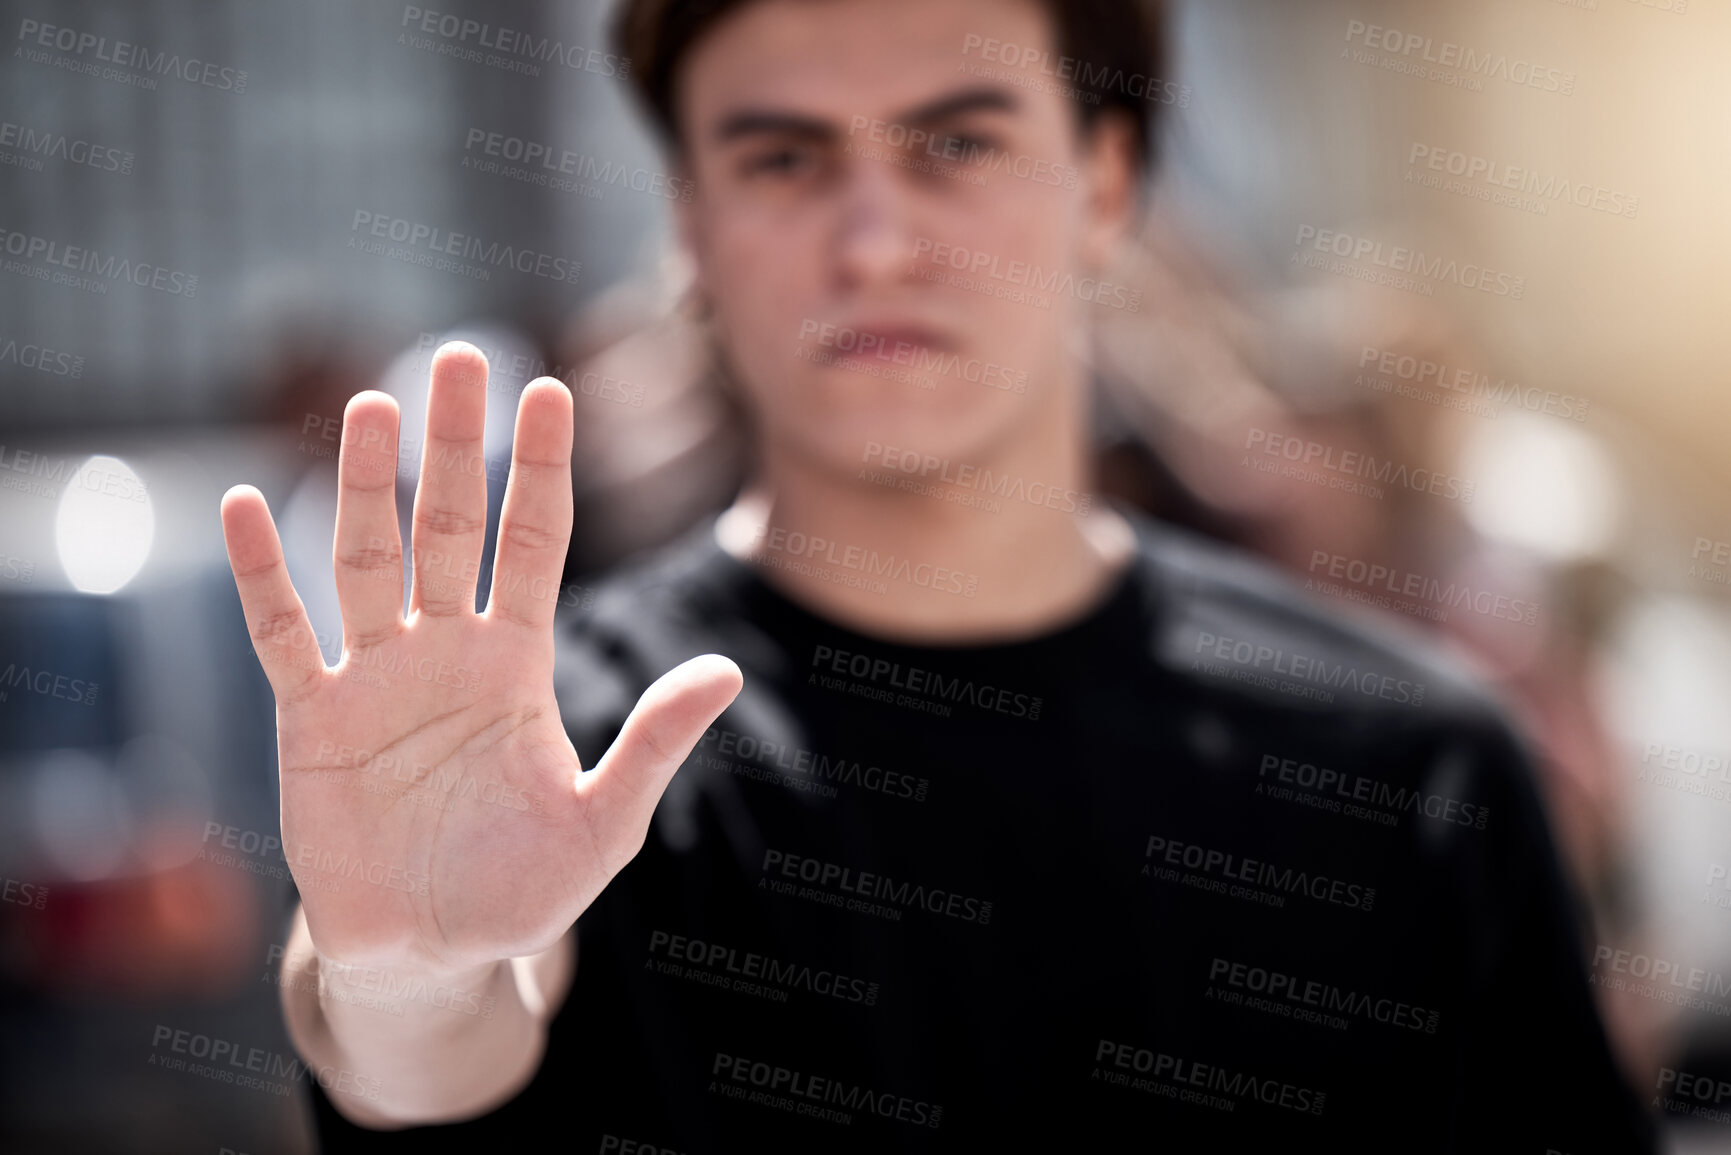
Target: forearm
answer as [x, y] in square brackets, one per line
[397, 1046]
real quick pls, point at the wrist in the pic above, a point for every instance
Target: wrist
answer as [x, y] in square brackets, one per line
[410, 981]
[391, 984]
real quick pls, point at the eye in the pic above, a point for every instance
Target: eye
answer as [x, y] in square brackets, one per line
[781, 161]
[966, 147]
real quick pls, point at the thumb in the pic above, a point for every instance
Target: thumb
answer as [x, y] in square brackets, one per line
[665, 724]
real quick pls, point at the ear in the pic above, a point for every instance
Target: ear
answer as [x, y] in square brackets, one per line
[1113, 185]
[687, 226]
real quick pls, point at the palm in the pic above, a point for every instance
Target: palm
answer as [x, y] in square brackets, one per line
[432, 807]
[460, 789]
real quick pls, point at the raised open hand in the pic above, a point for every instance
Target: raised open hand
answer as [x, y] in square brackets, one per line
[434, 813]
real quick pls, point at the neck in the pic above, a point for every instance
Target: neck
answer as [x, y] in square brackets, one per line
[954, 551]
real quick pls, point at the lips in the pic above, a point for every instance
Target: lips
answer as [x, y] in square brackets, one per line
[883, 339]
[912, 334]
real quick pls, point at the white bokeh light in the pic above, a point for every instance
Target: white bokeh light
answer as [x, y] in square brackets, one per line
[105, 526]
[1543, 486]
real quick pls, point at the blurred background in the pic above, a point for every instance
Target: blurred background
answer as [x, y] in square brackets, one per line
[1510, 273]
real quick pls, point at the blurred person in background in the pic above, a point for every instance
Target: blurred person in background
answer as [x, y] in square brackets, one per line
[1015, 821]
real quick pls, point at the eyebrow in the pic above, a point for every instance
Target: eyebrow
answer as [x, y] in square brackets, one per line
[977, 99]
[753, 122]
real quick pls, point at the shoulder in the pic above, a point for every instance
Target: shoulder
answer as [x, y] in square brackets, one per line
[1227, 626]
[1373, 704]
[1235, 626]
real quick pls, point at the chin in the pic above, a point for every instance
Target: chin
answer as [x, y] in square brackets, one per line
[832, 414]
[856, 438]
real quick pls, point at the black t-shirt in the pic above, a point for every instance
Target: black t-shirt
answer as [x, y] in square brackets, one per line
[1208, 869]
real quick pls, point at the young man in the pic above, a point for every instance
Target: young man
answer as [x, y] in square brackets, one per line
[1032, 823]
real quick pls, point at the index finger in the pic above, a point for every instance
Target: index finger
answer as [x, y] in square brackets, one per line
[282, 635]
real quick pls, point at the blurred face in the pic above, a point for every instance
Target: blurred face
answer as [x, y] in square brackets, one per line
[867, 213]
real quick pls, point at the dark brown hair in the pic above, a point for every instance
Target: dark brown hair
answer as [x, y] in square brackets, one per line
[1111, 52]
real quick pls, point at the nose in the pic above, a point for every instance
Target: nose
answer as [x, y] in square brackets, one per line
[874, 242]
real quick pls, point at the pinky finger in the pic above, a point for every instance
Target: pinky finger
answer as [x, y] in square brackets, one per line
[282, 636]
